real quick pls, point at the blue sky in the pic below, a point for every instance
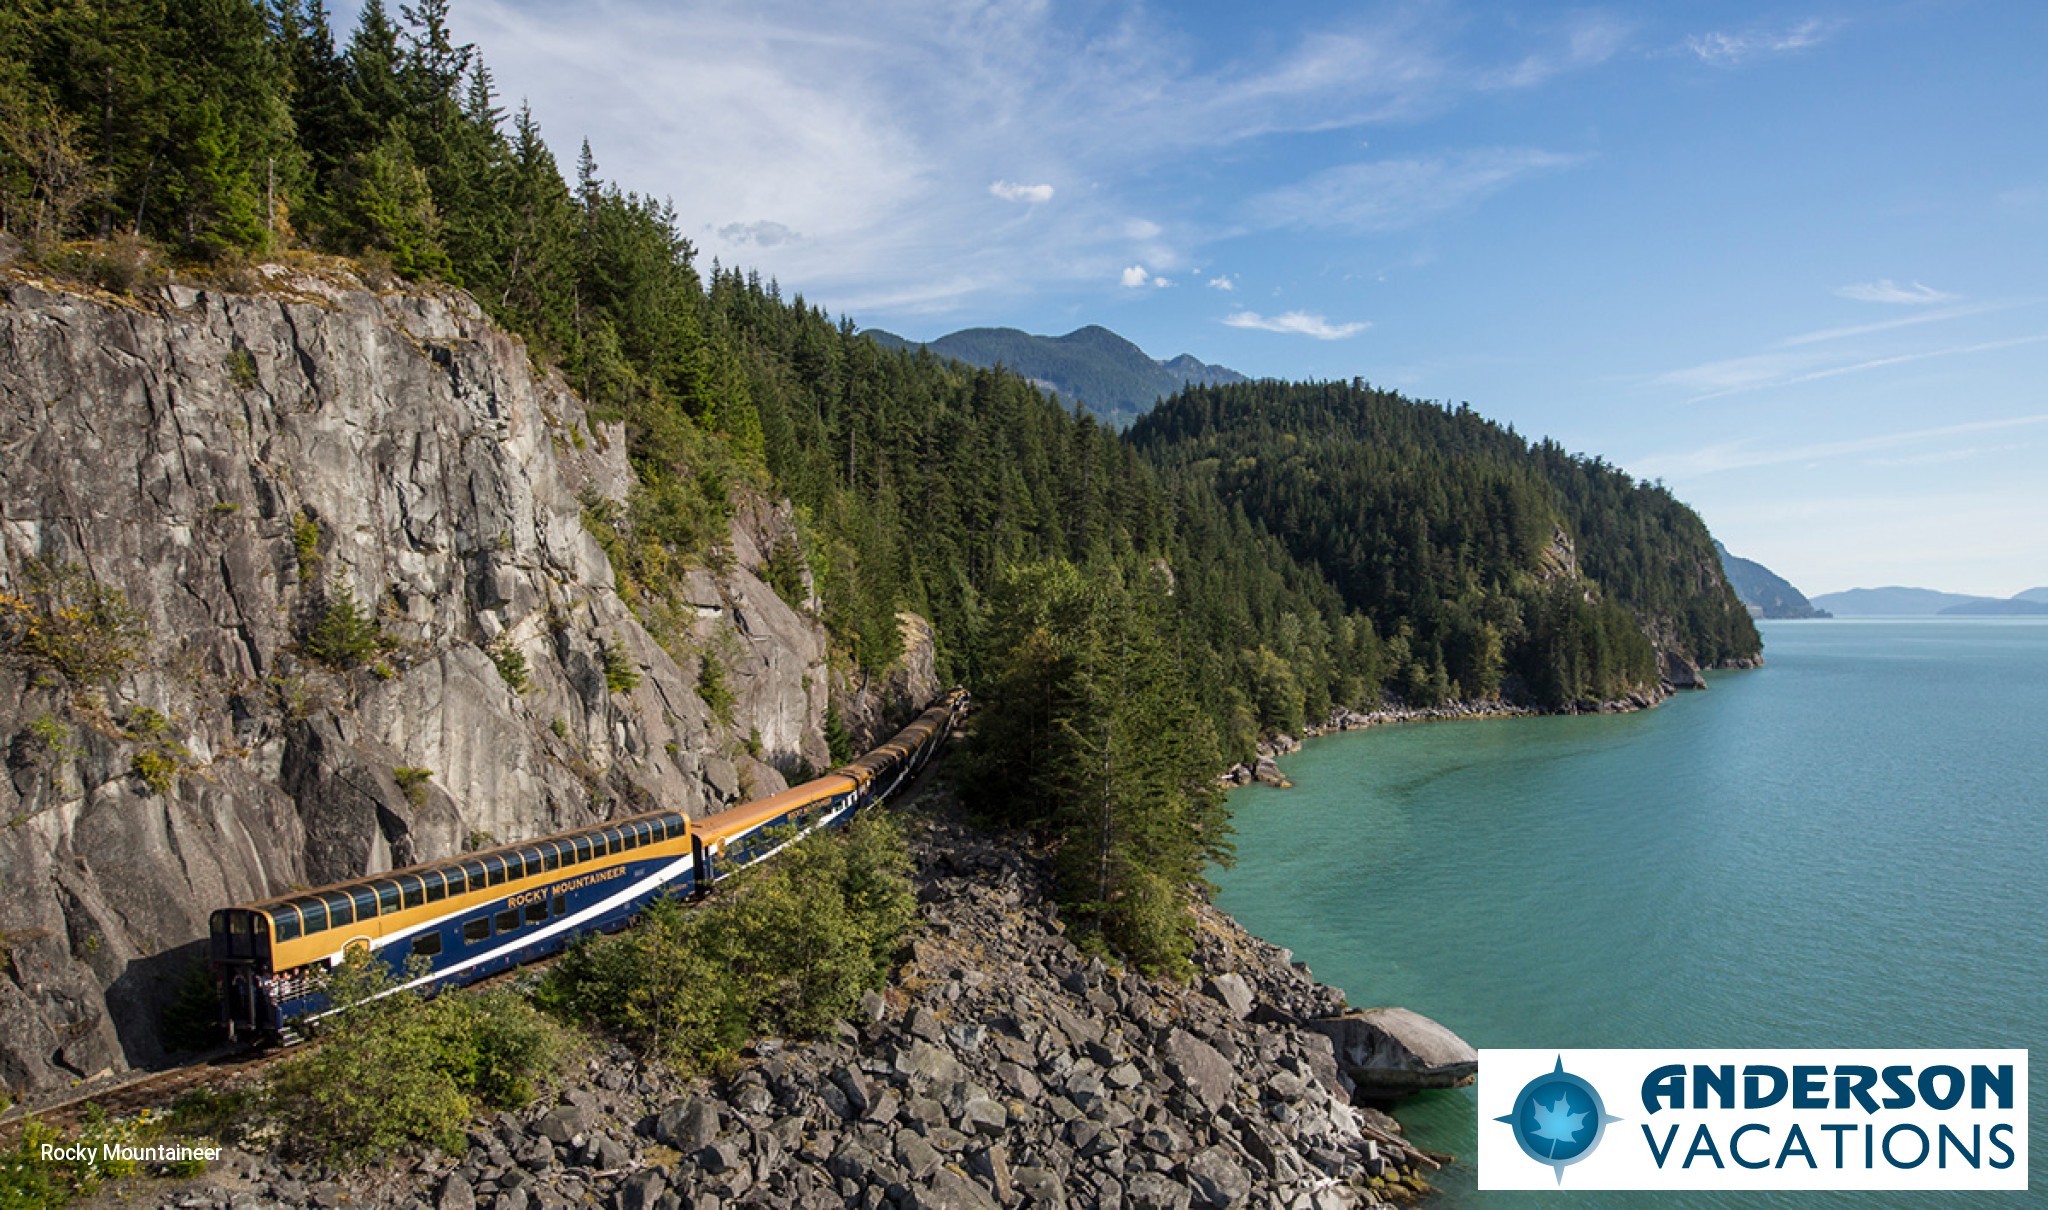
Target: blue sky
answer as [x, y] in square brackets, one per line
[1791, 259]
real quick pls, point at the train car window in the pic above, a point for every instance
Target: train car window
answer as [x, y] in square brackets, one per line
[285, 922]
[583, 848]
[426, 945]
[476, 930]
[536, 911]
[387, 897]
[508, 920]
[458, 882]
[313, 914]
[561, 903]
[494, 871]
[473, 874]
[551, 858]
[411, 891]
[436, 885]
[340, 909]
[529, 863]
[365, 899]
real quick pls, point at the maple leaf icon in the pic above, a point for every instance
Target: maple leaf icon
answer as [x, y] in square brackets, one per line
[1556, 1122]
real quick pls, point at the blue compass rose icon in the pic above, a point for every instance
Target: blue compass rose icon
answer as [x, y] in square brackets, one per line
[1558, 1119]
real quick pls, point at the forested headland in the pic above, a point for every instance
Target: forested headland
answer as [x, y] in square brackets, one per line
[1133, 610]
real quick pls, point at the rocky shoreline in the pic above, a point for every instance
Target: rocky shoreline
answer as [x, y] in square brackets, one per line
[1677, 673]
[1002, 1067]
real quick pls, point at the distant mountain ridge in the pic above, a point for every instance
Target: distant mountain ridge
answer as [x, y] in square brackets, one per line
[1899, 602]
[1107, 374]
[1764, 592]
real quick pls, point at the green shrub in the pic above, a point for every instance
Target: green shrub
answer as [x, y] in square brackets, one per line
[306, 544]
[511, 664]
[242, 368]
[65, 624]
[785, 572]
[412, 781]
[395, 1069]
[30, 1182]
[620, 676]
[713, 689]
[838, 742]
[159, 766]
[345, 635]
[786, 950]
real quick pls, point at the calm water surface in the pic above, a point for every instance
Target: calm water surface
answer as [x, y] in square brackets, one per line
[1848, 847]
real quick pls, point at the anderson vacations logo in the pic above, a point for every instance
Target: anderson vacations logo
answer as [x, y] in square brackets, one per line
[1753, 1119]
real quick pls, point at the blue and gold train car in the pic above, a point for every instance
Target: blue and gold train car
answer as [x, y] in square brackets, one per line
[468, 917]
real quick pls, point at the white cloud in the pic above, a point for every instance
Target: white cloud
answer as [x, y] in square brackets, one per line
[763, 234]
[1224, 282]
[1299, 323]
[1733, 49]
[853, 125]
[1011, 191]
[1885, 290]
[1387, 195]
[1137, 276]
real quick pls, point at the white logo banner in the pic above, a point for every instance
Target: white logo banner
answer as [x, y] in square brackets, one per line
[1753, 1119]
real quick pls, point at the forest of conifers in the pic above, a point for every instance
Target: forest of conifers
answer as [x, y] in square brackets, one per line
[1247, 558]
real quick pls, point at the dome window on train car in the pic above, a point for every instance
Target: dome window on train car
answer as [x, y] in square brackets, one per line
[473, 875]
[583, 848]
[436, 884]
[427, 945]
[412, 890]
[551, 857]
[364, 900]
[288, 922]
[494, 871]
[387, 898]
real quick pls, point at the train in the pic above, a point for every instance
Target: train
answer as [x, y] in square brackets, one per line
[471, 916]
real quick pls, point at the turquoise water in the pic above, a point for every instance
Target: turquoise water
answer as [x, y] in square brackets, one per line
[1847, 847]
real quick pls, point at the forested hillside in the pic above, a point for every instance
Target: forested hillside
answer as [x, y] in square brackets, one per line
[1482, 557]
[1253, 556]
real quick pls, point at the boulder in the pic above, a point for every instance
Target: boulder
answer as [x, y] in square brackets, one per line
[1392, 1052]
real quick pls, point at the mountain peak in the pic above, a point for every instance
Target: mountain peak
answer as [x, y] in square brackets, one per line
[1103, 370]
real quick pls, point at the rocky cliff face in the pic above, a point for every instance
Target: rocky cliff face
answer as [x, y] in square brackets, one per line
[238, 467]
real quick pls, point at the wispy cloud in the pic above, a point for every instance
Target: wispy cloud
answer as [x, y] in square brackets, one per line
[1222, 281]
[1298, 323]
[1722, 49]
[1011, 191]
[1885, 290]
[1387, 195]
[880, 132]
[1737, 375]
[1740, 455]
[1843, 332]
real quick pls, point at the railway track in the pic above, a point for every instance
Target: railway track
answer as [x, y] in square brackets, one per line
[135, 1093]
